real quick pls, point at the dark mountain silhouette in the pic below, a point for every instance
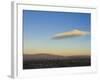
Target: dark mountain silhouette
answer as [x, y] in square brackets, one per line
[41, 56]
[34, 61]
[49, 57]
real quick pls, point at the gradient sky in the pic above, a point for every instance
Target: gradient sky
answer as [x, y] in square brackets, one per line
[40, 26]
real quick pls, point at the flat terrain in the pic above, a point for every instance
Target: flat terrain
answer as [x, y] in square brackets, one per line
[38, 61]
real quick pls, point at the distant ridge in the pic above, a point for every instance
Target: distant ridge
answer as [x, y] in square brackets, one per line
[44, 56]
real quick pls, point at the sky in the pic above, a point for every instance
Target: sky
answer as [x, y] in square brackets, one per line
[40, 26]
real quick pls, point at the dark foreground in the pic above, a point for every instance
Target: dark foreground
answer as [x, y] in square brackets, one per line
[75, 61]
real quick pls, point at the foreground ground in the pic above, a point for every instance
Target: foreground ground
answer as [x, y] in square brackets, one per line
[53, 62]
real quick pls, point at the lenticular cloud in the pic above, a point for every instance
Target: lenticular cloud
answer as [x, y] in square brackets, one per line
[73, 33]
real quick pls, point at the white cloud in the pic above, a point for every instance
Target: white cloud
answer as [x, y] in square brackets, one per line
[73, 33]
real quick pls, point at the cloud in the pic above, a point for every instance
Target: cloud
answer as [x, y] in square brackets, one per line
[73, 33]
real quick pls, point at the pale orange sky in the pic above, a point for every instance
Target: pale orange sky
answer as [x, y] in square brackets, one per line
[59, 52]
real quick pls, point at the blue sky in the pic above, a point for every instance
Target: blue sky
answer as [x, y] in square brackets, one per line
[40, 26]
